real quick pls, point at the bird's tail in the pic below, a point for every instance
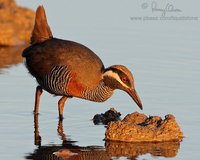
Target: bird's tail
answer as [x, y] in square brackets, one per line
[41, 30]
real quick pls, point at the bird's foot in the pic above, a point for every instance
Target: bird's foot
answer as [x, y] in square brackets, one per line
[35, 113]
[61, 117]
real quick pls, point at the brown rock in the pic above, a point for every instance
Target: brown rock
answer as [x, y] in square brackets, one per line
[135, 118]
[137, 127]
[16, 23]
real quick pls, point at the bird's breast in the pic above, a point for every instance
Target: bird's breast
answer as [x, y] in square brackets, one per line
[74, 88]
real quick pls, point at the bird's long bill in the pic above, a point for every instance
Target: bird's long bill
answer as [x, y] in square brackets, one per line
[135, 97]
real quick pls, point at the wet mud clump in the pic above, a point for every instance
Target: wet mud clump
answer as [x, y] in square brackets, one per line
[138, 127]
[108, 116]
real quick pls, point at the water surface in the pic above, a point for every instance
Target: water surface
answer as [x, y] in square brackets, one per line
[163, 55]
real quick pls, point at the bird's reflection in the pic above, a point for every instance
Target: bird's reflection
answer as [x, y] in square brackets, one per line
[37, 139]
[68, 150]
[78, 152]
[61, 131]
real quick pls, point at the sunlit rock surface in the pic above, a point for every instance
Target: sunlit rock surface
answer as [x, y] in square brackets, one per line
[138, 127]
[16, 23]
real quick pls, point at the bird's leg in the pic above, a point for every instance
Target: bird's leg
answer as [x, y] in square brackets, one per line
[37, 99]
[61, 103]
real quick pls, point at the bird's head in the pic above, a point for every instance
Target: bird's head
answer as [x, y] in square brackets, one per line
[119, 77]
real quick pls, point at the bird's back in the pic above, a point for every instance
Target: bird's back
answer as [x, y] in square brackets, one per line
[85, 66]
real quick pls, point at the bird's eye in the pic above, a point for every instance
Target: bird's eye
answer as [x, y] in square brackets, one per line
[124, 79]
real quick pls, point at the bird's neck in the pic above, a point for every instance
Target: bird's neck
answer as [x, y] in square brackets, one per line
[98, 94]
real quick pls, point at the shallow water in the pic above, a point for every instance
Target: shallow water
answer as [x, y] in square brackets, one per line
[163, 55]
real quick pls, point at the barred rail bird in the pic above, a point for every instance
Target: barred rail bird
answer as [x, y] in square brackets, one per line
[69, 69]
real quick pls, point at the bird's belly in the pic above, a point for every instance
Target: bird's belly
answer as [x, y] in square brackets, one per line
[58, 90]
[56, 81]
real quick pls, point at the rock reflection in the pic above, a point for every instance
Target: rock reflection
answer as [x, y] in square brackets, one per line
[133, 150]
[111, 149]
[10, 56]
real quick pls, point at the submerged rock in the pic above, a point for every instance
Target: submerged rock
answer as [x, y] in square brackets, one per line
[138, 127]
[108, 116]
[16, 23]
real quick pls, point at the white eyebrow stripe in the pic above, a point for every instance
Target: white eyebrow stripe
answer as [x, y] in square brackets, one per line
[115, 76]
